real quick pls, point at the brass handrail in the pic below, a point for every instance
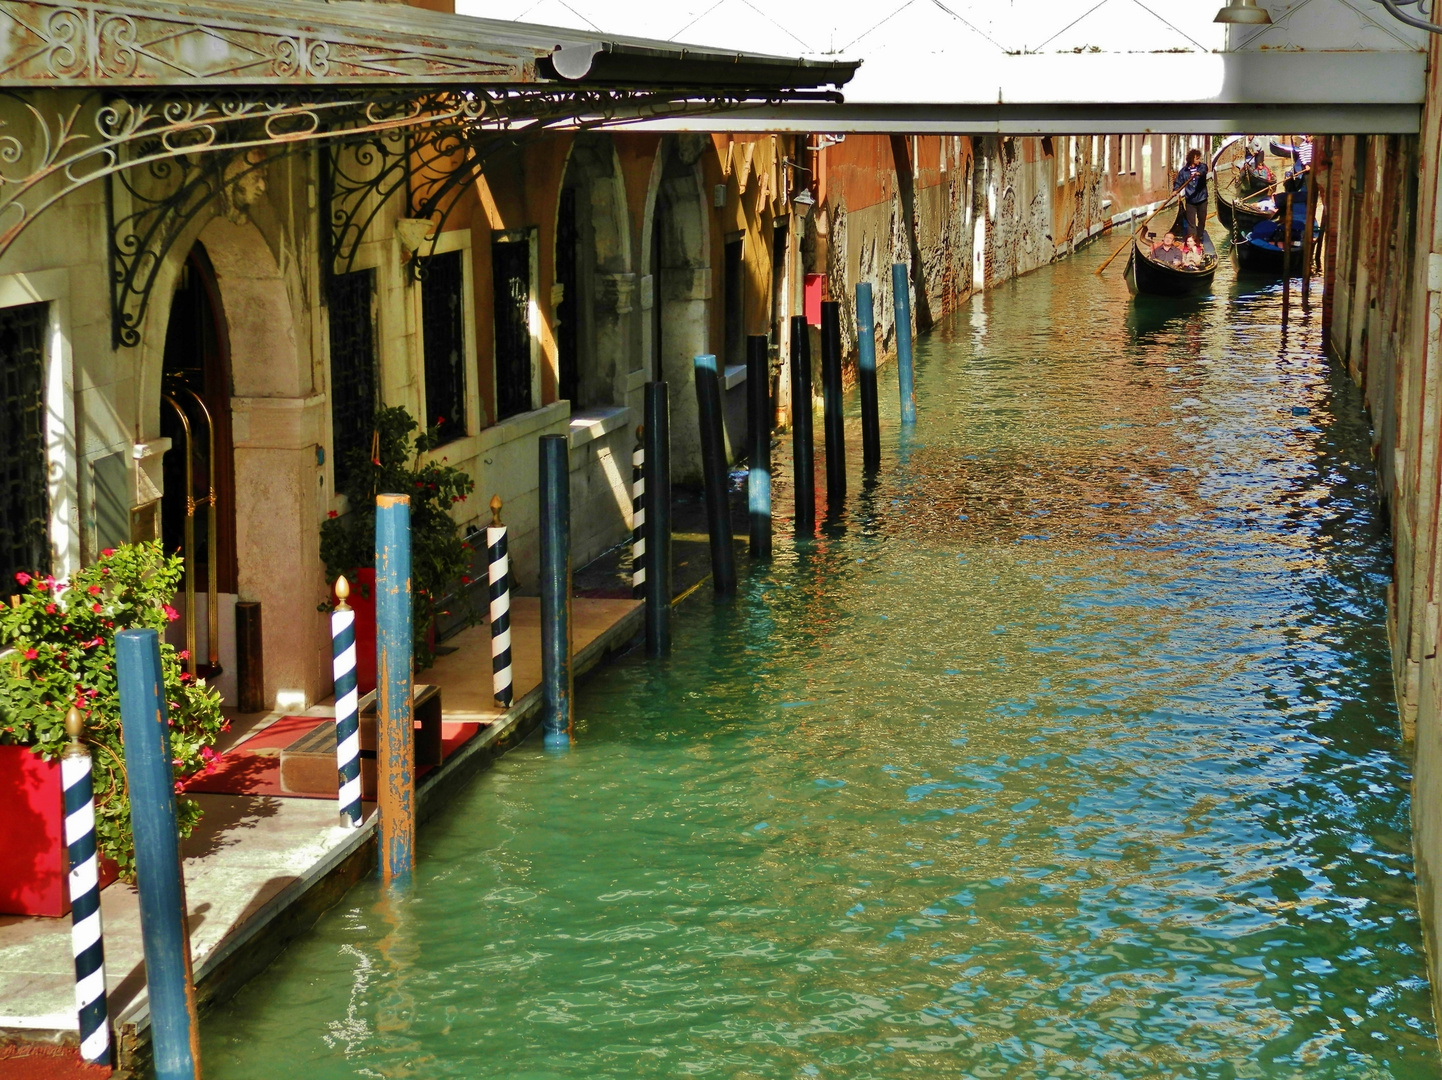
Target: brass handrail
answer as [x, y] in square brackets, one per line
[212, 547]
[188, 554]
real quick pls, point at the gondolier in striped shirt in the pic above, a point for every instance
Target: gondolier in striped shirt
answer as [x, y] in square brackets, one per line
[1191, 181]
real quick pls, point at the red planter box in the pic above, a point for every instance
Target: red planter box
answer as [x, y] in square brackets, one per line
[33, 863]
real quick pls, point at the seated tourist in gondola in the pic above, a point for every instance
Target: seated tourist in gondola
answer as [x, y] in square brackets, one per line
[1255, 175]
[1166, 251]
[1192, 254]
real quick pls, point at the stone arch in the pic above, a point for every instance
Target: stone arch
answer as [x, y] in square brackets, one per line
[276, 424]
[677, 253]
[595, 273]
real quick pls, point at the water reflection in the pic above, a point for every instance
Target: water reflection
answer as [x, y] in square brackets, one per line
[1067, 750]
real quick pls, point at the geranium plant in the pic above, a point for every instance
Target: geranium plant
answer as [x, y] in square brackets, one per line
[61, 641]
[396, 464]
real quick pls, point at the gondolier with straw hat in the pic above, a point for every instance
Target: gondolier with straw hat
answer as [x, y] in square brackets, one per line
[1191, 181]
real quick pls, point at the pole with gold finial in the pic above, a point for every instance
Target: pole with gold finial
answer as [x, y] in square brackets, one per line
[347, 719]
[86, 937]
[498, 578]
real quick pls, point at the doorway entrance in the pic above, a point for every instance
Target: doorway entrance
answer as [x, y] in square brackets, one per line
[197, 511]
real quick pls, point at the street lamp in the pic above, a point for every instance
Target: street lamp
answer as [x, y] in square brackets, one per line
[1245, 12]
[802, 202]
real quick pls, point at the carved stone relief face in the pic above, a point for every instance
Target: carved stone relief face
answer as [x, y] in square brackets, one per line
[244, 185]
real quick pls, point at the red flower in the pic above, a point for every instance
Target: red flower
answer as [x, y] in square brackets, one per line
[95, 608]
[94, 590]
[333, 514]
[183, 654]
[185, 676]
[440, 420]
[179, 787]
[50, 609]
[31, 654]
[465, 579]
[107, 553]
[23, 578]
[170, 612]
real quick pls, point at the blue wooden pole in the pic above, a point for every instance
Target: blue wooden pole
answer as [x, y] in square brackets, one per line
[901, 306]
[557, 685]
[395, 650]
[833, 419]
[758, 430]
[866, 379]
[802, 467]
[175, 1030]
[658, 519]
[713, 471]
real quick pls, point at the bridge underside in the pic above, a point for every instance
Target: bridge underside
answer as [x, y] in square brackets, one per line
[1059, 119]
[1322, 92]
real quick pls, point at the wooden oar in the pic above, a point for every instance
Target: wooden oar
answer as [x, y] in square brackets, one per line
[1143, 225]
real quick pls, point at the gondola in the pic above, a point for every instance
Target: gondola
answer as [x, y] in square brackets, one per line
[1147, 277]
[1259, 250]
[1239, 213]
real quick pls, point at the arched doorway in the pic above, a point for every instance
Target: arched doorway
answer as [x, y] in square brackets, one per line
[195, 416]
[593, 272]
[680, 267]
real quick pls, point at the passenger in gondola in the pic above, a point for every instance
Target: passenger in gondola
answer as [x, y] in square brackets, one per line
[1255, 175]
[1191, 181]
[1192, 254]
[1166, 251]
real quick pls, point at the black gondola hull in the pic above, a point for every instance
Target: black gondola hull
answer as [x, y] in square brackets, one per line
[1260, 257]
[1236, 219]
[1148, 278]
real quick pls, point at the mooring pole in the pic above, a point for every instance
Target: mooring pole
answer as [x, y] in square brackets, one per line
[802, 466]
[557, 684]
[901, 308]
[758, 430]
[347, 719]
[395, 728]
[1308, 239]
[866, 379]
[164, 931]
[1287, 258]
[658, 519]
[87, 936]
[638, 515]
[833, 419]
[713, 471]
[498, 594]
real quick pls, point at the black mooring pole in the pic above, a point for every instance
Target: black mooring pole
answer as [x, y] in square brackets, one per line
[713, 471]
[758, 432]
[658, 520]
[801, 445]
[831, 391]
[866, 380]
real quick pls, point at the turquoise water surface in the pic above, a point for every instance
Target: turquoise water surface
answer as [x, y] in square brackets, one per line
[1066, 750]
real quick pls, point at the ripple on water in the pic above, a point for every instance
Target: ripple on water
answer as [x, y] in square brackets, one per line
[1068, 751]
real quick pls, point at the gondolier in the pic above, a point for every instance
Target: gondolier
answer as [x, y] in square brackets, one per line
[1191, 181]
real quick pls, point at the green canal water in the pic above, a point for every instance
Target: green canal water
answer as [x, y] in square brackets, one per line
[1067, 750]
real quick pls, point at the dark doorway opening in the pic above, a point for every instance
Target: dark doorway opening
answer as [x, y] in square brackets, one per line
[511, 277]
[24, 497]
[568, 311]
[196, 381]
[735, 301]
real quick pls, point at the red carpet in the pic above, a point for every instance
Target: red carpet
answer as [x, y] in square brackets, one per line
[252, 767]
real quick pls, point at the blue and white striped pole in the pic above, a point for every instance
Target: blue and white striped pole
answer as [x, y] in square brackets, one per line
[86, 937]
[638, 517]
[498, 579]
[347, 718]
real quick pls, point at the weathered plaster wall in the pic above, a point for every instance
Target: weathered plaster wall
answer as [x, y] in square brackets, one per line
[1383, 271]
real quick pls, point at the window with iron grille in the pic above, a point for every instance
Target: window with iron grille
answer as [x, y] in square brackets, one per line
[24, 495]
[511, 277]
[444, 342]
[353, 375]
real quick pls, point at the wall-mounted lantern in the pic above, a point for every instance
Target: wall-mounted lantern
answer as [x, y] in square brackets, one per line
[802, 202]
